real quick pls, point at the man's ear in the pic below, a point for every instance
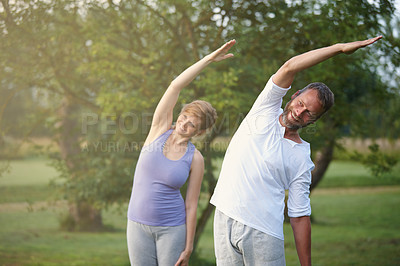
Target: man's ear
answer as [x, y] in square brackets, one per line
[295, 94]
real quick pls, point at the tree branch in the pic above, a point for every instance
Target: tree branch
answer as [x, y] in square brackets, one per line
[193, 41]
[8, 17]
[169, 24]
[69, 93]
[7, 101]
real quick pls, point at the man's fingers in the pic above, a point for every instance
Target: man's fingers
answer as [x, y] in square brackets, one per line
[371, 41]
[352, 47]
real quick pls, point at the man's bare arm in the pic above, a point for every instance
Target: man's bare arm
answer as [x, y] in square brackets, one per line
[302, 235]
[285, 75]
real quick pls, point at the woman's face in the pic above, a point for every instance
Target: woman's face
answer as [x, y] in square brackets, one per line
[188, 125]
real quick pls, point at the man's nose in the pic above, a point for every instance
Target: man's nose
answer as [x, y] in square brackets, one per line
[300, 111]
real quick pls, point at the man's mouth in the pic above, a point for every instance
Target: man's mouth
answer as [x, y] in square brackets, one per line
[295, 117]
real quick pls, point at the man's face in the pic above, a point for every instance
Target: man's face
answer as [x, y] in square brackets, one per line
[302, 110]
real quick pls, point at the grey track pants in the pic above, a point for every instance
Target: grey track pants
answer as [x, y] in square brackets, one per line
[237, 244]
[155, 245]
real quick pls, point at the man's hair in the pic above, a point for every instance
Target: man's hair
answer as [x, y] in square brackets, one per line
[203, 110]
[325, 95]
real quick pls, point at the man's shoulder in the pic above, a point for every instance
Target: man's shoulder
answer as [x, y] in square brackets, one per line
[298, 155]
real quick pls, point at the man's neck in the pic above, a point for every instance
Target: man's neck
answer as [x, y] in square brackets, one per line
[291, 134]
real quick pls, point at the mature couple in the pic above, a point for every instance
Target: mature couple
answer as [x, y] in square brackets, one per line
[265, 157]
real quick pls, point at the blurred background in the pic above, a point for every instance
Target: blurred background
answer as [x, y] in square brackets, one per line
[79, 81]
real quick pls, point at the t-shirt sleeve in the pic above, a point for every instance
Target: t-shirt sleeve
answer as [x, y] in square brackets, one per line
[270, 99]
[299, 195]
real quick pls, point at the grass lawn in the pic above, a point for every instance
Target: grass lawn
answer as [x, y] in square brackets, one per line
[27, 181]
[351, 174]
[356, 221]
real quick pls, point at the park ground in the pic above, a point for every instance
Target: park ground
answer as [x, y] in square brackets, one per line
[356, 221]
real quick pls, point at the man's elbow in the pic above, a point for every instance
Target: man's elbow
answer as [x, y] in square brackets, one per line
[301, 219]
[289, 67]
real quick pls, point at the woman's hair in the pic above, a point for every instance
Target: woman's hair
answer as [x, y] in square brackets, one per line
[203, 110]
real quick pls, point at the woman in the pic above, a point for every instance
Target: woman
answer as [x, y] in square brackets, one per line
[161, 226]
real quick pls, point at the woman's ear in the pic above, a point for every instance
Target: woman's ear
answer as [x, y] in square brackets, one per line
[201, 132]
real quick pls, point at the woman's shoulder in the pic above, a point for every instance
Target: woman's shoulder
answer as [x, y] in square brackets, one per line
[198, 159]
[197, 154]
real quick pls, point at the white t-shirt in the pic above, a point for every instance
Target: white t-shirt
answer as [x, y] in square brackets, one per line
[260, 164]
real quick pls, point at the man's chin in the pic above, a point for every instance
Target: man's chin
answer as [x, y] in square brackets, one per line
[294, 127]
[289, 124]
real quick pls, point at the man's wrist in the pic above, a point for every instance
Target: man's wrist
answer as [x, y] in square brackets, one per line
[339, 47]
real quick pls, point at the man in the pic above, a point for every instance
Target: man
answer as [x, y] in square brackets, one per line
[265, 157]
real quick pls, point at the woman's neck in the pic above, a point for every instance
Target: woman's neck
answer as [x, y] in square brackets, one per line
[179, 140]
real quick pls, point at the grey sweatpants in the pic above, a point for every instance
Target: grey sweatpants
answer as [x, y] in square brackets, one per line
[238, 244]
[155, 245]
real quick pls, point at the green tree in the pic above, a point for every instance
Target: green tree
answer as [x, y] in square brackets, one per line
[103, 66]
[43, 45]
[277, 30]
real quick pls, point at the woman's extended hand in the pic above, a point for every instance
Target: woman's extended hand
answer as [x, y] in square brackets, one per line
[351, 47]
[221, 53]
[183, 259]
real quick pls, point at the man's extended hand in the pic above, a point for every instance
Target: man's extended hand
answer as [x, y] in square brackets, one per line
[285, 75]
[351, 47]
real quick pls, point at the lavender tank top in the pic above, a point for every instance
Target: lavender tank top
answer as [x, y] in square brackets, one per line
[156, 199]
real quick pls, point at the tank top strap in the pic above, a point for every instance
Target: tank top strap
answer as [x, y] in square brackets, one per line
[160, 142]
[189, 153]
[163, 137]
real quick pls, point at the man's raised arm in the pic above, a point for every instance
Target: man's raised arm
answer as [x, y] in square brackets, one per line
[285, 75]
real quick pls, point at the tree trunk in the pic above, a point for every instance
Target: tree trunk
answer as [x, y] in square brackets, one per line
[209, 176]
[202, 222]
[322, 160]
[82, 216]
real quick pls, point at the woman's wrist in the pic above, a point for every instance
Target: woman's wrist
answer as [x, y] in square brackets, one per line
[208, 59]
[188, 250]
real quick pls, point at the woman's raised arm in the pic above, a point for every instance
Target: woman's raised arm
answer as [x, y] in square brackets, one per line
[163, 115]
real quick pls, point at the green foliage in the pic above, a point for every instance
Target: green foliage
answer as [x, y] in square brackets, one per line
[377, 161]
[113, 61]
